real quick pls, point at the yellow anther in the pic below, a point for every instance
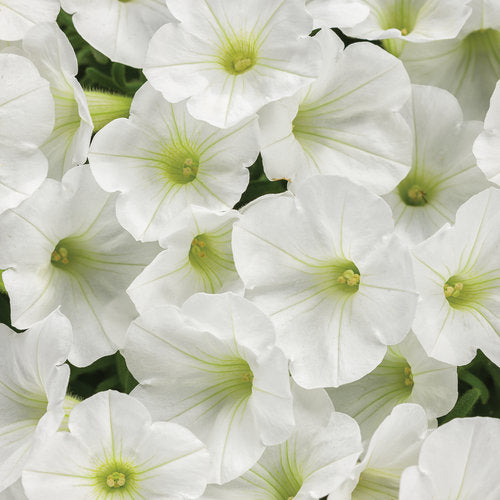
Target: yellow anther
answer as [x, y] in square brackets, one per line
[60, 255]
[197, 248]
[247, 377]
[116, 480]
[242, 64]
[404, 31]
[408, 376]
[187, 171]
[416, 194]
[453, 291]
[349, 277]
[354, 280]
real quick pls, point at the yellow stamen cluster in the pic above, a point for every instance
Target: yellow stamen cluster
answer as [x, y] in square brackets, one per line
[349, 278]
[404, 31]
[408, 376]
[116, 480]
[242, 64]
[187, 168]
[198, 248]
[60, 255]
[416, 194]
[247, 377]
[453, 291]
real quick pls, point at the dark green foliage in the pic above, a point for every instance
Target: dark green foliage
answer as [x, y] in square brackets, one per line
[259, 185]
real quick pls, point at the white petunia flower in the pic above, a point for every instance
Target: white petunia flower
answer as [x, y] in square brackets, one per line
[213, 367]
[394, 447]
[26, 120]
[64, 247]
[467, 66]
[346, 123]
[487, 145]
[399, 21]
[337, 13]
[327, 268]
[406, 375]
[458, 460]
[231, 58]
[458, 274]
[444, 173]
[120, 29]
[18, 16]
[33, 381]
[163, 160]
[47, 46]
[197, 258]
[321, 452]
[114, 450]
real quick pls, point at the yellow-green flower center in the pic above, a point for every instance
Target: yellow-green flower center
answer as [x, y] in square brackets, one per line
[239, 55]
[115, 477]
[116, 480]
[60, 256]
[408, 376]
[401, 15]
[198, 250]
[465, 291]
[349, 278]
[178, 162]
[412, 192]
[346, 276]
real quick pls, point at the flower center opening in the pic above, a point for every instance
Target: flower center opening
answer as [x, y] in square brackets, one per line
[179, 163]
[239, 55]
[115, 475]
[60, 256]
[461, 292]
[412, 192]
[231, 379]
[349, 278]
[346, 276]
[198, 250]
[402, 15]
[466, 291]
[189, 169]
[483, 41]
[116, 480]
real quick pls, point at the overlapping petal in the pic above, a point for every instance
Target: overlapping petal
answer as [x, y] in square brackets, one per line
[162, 160]
[326, 267]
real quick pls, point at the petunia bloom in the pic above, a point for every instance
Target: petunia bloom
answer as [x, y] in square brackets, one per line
[231, 58]
[113, 449]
